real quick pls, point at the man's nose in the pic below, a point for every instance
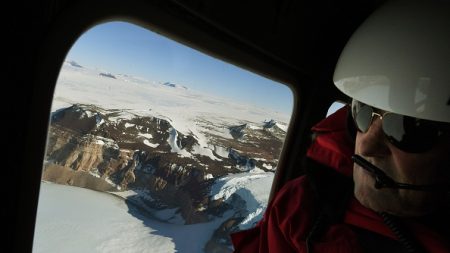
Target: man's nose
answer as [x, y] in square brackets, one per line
[373, 142]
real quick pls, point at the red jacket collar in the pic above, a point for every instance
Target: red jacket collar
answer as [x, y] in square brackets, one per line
[333, 145]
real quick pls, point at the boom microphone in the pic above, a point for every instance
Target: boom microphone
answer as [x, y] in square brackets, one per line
[384, 181]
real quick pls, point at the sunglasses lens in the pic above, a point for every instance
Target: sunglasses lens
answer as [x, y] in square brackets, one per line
[362, 114]
[393, 127]
[410, 134]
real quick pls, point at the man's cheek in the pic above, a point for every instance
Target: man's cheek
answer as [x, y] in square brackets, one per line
[362, 185]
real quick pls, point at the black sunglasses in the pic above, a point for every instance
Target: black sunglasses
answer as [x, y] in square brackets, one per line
[408, 134]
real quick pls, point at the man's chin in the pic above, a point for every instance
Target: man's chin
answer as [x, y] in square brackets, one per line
[371, 197]
[388, 200]
[382, 202]
[365, 198]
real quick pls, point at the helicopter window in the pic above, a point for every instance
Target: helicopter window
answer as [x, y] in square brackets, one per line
[156, 147]
[334, 107]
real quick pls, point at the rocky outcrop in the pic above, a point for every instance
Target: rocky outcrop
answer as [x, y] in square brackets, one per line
[109, 75]
[115, 150]
[63, 175]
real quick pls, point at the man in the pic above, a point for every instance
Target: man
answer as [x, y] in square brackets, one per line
[394, 140]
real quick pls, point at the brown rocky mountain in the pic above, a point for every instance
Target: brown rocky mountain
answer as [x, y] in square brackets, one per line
[117, 150]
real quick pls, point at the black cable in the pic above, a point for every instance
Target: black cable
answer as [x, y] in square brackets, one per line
[405, 239]
[319, 225]
[384, 181]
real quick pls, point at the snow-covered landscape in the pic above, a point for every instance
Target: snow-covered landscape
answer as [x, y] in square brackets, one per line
[73, 219]
[163, 139]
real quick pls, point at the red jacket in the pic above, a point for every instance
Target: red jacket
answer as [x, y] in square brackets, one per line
[288, 217]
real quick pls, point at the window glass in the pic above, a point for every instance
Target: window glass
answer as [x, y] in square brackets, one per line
[155, 147]
[334, 107]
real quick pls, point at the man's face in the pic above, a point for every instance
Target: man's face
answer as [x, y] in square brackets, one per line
[431, 167]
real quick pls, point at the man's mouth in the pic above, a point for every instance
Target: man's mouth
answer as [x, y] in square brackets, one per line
[384, 181]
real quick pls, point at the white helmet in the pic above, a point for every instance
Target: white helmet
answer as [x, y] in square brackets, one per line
[399, 60]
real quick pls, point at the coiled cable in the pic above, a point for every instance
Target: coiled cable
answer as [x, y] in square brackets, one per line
[405, 239]
[320, 223]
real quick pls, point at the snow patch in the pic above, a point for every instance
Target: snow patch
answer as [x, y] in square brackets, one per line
[221, 151]
[99, 142]
[172, 140]
[153, 145]
[148, 136]
[196, 149]
[107, 224]
[268, 166]
[253, 188]
[281, 126]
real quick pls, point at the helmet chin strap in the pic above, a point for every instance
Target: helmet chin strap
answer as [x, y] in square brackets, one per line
[384, 181]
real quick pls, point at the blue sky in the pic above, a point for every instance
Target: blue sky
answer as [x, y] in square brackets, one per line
[124, 48]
